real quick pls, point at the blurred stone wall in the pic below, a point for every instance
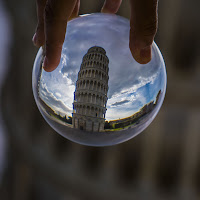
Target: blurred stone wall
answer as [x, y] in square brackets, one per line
[161, 163]
[5, 35]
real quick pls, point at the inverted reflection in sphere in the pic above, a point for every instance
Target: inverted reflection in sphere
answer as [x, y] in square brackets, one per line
[99, 95]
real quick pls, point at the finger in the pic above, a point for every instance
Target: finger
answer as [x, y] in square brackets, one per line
[111, 6]
[38, 38]
[143, 25]
[75, 11]
[57, 13]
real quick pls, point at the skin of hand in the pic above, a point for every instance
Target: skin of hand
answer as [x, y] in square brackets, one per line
[53, 16]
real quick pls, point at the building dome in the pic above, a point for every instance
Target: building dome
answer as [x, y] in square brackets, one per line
[90, 96]
[97, 49]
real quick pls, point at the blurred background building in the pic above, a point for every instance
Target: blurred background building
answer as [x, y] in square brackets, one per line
[161, 163]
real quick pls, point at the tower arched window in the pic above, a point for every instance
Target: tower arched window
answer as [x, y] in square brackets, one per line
[81, 109]
[96, 112]
[97, 99]
[88, 109]
[89, 97]
[98, 88]
[87, 84]
[93, 98]
[99, 75]
[101, 88]
[93, 73]
[95, 85]
[92, 111]
[83, 84]
[91, 84]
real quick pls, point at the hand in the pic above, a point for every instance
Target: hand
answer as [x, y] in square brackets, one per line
[54, 14]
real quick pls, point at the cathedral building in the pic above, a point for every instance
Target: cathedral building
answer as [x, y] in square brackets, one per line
[90, 96]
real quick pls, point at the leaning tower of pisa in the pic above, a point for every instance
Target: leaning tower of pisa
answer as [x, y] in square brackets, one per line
[90, 96]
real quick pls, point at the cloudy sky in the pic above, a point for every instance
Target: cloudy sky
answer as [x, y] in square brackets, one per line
[131, 85]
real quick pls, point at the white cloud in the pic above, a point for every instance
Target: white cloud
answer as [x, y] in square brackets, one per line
[58, 94]
[52, 101]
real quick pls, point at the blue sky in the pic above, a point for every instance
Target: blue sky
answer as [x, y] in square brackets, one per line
[131, 85]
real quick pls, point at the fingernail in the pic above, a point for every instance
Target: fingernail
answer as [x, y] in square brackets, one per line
[107, 11]
[45, 63]
[47, 66]
[142, 56]
[145, 54]
[103, 10]
[34, 39]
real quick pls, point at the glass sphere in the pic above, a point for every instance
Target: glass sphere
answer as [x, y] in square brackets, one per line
[99, 95]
